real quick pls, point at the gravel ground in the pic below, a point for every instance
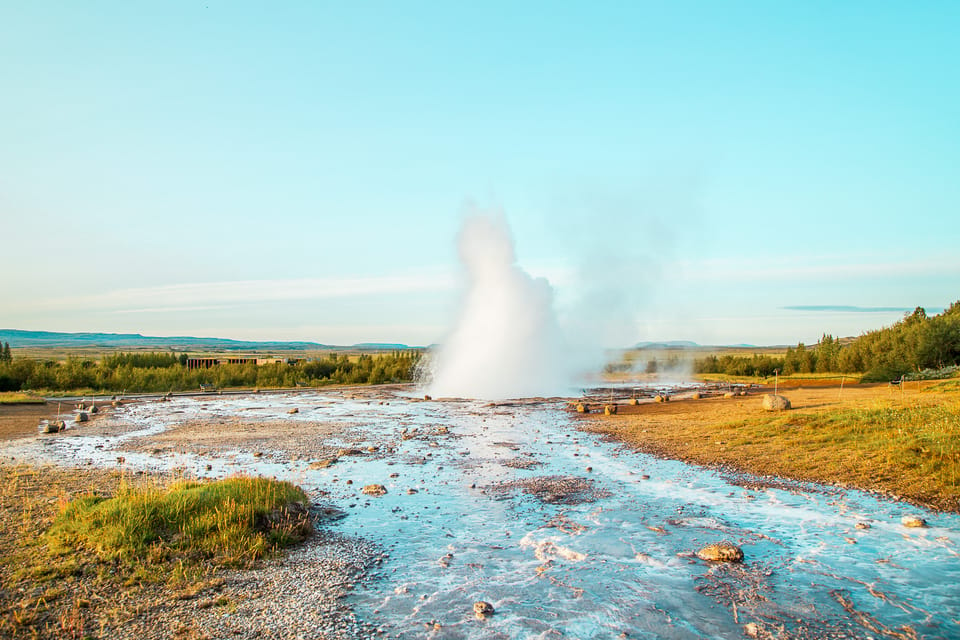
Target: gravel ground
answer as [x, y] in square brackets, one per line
[295, 597]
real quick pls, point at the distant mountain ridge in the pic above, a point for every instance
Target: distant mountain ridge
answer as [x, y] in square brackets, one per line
[19, 338]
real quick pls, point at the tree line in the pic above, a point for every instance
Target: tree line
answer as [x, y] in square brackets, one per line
[162, 372]
[918, 345]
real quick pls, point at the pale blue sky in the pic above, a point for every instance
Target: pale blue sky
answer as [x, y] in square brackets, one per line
[687, 170]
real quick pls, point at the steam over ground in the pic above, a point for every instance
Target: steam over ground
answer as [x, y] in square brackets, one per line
[506, 343]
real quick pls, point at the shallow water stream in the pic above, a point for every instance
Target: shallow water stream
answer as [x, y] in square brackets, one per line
[496, 503]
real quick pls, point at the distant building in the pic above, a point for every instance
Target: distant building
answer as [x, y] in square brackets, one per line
[206, 363]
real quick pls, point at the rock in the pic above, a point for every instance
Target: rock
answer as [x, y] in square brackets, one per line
[349, 452]
[482, 609]
[82, 416]
[443, 430]
[582, 408]
[775, 403]
[634, 402]
[730, 394]
[862, 525]
[374, 490]
[751, 630]
[660, 398]
[696, 395]
[913, 521]
[721, 552]
[427, 398]
[294, 410]
[609, 409]
[94, 409]
[323, 464]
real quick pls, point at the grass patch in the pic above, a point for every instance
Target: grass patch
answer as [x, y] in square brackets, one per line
[903, 441]
[911, 451]
[19, 397]
[233, 522]
[83, 552]
[792, 380]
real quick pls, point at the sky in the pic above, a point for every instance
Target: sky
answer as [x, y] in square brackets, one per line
[721, 172]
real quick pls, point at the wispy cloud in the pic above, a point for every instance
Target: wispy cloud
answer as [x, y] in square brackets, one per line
[810, 268]
[842, 308]
[217, 295]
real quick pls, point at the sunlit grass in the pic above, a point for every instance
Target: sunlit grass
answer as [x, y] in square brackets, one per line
[232, 522]
[19, 397]
[912, 451]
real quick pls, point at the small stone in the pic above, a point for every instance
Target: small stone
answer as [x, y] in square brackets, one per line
[721, 552]
[294, 410]
[696, 395]
[482, 609]
[582, 408]
[751, 630]
[374, 490]
[913, 521]
[862, 525]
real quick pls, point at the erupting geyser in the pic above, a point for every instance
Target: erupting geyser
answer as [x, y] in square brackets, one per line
[506, 343]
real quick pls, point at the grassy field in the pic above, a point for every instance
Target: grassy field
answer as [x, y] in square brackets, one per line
[19, 397]
[904, 442]
[68, 537]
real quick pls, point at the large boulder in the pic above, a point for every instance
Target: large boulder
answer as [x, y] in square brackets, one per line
[913, 521]
[775, 403]
[721, 552]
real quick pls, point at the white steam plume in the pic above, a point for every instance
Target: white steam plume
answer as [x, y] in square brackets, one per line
[506, 343]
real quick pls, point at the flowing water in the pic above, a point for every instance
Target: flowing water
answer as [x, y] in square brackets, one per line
[568, 535]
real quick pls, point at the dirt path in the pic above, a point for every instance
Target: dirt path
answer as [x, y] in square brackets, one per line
[19, 420]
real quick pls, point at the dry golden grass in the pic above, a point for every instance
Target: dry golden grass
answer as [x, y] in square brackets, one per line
[875, 437]
[81, 550]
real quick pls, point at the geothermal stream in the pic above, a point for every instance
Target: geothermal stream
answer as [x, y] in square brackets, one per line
[495, 502]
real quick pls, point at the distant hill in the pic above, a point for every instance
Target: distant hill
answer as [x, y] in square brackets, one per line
[379, 346]
[39, 339]
[687, 344]
[669, 344]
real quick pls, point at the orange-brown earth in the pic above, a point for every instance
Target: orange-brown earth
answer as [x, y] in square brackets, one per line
[19, 420]
[807, 442]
